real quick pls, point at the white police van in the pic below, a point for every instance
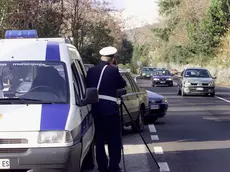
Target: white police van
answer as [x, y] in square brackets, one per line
[46, 125]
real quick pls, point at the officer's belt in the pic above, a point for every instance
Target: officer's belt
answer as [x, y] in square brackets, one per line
[114, 99]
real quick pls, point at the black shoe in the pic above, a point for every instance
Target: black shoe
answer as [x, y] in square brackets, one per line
[102, 170]
[116, 170]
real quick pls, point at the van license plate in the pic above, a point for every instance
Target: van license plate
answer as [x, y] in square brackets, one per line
[163, 82]
[200, 89]
[154, 107]
[4, 164]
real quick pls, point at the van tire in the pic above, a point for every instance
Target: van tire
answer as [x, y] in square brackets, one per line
[89, 161]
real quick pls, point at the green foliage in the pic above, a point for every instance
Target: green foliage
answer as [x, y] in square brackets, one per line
[50, 24]
[140, 53]
[170, 9]
[205, 35]
[162, 33]
[30, 14]
[126, 52]
[167, 7]
[217, 21]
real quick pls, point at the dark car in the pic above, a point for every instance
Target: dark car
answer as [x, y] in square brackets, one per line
[146, 72]
[158, 106]
[161, 77]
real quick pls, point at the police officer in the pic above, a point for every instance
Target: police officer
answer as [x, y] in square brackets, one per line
[108, 80]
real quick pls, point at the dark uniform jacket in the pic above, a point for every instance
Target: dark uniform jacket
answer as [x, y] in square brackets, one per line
[110, 83]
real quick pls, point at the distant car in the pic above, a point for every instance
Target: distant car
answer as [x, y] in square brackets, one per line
[87, 66]
[146, 72]
[196, 81]
[158, 106]
[161, 77]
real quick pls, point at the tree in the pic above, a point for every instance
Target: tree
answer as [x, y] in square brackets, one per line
[90, 23]
[44, 16]
[126, 52]
[92, 26]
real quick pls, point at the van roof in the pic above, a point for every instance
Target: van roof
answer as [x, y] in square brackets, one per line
[33, 49]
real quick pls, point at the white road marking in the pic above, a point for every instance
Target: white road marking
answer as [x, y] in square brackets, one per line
[158, 150]
[154, 137]
[223, 99]
[152, 128]
[163, 166]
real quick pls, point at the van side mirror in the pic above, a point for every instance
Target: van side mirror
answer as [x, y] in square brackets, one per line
[214, 77]
[91, 97]
[121, 92]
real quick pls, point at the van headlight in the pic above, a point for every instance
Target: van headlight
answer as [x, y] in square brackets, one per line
[169, 79]
[45, 137]
[156, 79]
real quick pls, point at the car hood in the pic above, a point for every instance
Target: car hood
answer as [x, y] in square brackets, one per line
[196, 80]
[27, 118]
[162, 76]
[152, 95]
[147, 72]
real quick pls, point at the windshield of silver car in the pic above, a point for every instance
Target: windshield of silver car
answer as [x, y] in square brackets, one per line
[197, 73]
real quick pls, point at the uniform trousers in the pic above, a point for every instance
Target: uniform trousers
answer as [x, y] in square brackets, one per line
[108, 130]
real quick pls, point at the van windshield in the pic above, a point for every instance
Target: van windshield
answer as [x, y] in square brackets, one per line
[33, 82]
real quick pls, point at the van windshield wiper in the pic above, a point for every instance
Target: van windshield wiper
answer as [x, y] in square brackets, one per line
[18, 100]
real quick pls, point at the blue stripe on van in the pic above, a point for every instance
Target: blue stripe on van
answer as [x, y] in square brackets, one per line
[53, 51]
[54, 116]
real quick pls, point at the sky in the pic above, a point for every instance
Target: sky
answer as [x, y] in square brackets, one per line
[137, 12]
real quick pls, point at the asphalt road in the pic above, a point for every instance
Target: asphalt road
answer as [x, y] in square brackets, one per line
[193, 137]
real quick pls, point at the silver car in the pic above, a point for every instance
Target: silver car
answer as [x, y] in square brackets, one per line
[196, 81]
